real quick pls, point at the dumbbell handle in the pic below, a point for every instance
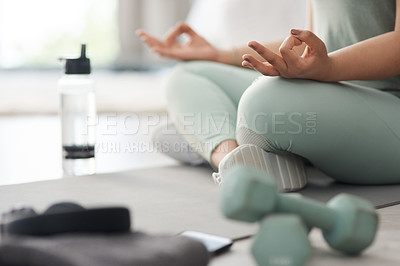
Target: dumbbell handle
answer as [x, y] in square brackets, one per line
[312, 212]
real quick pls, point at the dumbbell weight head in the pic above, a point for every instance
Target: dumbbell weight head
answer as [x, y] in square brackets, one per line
[356, 224]
[248, 195]
[245, 197]
[281, 240]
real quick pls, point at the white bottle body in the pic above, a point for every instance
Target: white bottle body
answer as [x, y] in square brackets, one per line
[78, 124]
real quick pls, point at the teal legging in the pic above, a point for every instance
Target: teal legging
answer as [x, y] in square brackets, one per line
[350, 132]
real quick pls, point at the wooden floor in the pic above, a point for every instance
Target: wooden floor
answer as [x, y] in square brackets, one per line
[30, 146]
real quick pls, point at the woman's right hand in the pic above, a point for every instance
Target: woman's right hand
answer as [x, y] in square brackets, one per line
[196, 48]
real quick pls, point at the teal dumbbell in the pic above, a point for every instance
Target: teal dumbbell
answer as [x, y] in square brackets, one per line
[349, 223]
[281, 240]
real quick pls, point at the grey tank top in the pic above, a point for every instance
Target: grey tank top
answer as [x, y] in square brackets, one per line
[340, 23]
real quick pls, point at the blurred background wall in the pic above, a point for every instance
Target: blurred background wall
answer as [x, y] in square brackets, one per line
[235, 22]
[34, 33]
[156, 16]
[225, 23]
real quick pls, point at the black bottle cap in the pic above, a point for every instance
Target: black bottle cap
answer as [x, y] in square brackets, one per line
[79, 65]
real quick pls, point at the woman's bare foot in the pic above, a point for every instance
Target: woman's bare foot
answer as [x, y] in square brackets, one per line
[222, 150]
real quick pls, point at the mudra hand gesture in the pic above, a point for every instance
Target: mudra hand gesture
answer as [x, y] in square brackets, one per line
[195, 48]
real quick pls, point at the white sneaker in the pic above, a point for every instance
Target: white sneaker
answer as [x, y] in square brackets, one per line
[167, 140]
[287, 169]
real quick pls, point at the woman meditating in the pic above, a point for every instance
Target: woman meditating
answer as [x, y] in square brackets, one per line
[328, 95]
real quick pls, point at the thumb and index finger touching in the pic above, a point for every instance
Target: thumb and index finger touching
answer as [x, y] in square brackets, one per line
[289, 55]
[179, 29]
[172, 34]
[164, 47]
[309, 38]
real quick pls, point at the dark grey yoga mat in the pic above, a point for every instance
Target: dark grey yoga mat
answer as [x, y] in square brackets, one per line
[170, 199]
[321, 187]
[161, 200]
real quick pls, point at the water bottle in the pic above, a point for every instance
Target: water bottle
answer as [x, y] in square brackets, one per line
[78, 116]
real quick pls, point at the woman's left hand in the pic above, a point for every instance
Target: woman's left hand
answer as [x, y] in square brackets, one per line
[314, 63]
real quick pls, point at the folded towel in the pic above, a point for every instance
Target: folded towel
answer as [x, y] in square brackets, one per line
[138, 249]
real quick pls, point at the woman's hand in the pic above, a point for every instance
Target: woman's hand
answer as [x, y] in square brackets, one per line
[196, 48]
[314, 63]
